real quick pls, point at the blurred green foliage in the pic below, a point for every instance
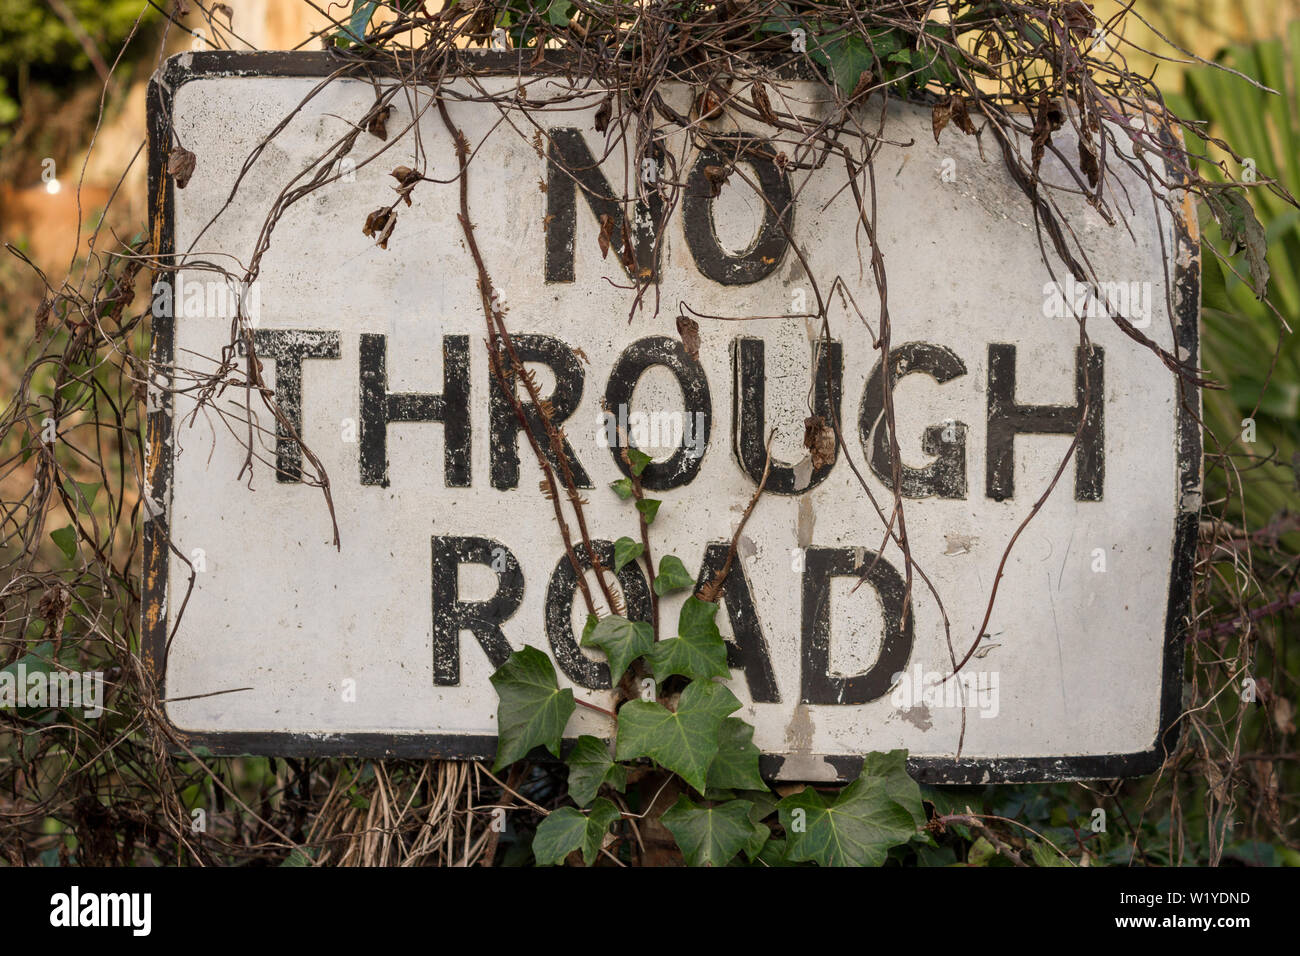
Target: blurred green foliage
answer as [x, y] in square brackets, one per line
[32, 34]
[1241, 333]
[37, 45]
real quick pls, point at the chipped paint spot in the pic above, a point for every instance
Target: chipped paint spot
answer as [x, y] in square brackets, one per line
[959, 543]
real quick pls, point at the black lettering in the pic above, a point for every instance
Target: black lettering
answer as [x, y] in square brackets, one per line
[682, 467]
[288, 348]
[570, 165]
[750, 412]
[748, 652]
[577, 666]
[768, 248]
[946, 475]
[451, 615]
[380, 408]
[1008, 419]
[819, 686]
[504, 446]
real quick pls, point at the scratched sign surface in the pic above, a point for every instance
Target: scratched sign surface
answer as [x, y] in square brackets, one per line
[450, 557]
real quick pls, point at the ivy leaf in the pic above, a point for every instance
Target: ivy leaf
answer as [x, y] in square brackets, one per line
[672, 576]
[736, 765]
[698, 652]
[355, 30]
[532, 710]
[622, 488]
[758, 839]
[625, 550]
[847, 56]
[638, 460]
[881, 809]
[66, 539]
[567, 829]
[82, 493]
[709, 697]
[558, 12]
[623, 641]
[709, 836]
[590, 766]
[775, 853]
[685, 741]
[649, 507]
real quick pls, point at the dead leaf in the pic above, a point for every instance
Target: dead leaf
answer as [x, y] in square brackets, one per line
[864, 83]
[716, 176]
[961, 114]
[378, 124]
[939, 118]
[379, 224]
[689, 330]
[819, 439]
[603, 113]
[606, 231]
[628, 252]
[1088, 163]
[761, 103]
[1078, 16]
[707, 105]
[180, 166]
[43, 317]
[406, 175]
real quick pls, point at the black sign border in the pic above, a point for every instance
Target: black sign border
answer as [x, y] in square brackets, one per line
[182, 68]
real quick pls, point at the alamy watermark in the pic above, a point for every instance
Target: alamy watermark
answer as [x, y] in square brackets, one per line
[918, 687]
[208, 299]
[1095, 300]
[653, 430]
[62, 689]
[75, 909]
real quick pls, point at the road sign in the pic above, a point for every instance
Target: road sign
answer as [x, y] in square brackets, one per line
[450, 557]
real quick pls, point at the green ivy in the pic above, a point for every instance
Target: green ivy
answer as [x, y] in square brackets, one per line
[732, 817]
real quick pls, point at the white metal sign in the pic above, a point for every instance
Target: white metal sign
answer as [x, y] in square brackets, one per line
[450, 557]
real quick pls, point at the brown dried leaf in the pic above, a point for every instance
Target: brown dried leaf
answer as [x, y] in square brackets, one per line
[1079, 17]
[379, 224]
[819, 439]
[707, 105]
[1088, 163]
[961, 114]
[603, 113]
[865, 80]
[378, 124]
[689, 330]
[716, 175]
[606, 232]
[405, 175]
[1284, 715]
[43, 315]
[761, 103]
[939, 118]
[180, 166]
